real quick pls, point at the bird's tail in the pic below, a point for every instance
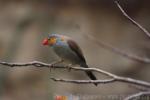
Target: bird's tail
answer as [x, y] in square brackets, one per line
[89, 73]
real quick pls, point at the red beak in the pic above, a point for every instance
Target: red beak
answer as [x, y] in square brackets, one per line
[45, 42]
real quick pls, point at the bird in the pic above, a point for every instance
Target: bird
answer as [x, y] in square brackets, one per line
[68, 50]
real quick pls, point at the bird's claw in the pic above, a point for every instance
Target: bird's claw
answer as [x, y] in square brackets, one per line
[69, 67]
[55, 63]
[51, 67]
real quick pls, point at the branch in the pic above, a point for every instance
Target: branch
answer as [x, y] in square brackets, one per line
[130, 19]
[138, 95]
[32, 63]
[84, 81]
[118, 51]
[112, 76]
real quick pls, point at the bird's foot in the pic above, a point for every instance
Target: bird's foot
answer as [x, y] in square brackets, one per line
[55, 63]
[69, 67]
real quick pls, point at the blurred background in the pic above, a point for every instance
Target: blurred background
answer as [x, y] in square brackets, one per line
[25, 23]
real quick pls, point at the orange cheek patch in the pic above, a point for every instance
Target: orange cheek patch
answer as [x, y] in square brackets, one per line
[52, 41]
[62, 39]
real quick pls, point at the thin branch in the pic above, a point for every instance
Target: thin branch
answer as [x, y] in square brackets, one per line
[33, 63]
[130, 19]
[138, 88]
[138, 95]
[84, 81]
[112, 76]
[118, 51]
[113, 79]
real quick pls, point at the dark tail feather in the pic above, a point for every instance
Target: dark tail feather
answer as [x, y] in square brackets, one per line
[90, 74]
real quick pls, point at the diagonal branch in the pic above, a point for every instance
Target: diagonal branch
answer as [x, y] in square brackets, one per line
[138, 95]
[112, 76]
[130, 19]
[118, 51]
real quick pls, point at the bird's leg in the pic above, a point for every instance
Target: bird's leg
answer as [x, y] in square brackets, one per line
[69, 67]
[57, 62]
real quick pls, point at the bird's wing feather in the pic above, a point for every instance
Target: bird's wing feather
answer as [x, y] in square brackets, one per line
[76, 49]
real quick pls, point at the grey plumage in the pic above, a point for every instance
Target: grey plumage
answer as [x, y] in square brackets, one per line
[70, 52]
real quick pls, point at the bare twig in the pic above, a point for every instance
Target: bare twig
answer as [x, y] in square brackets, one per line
[118, 51]
[84, 81]
[137, 96]
[146, 60]
[33, 63]
[138, 88]
[130, 19]
[119, 79]
[112, 76]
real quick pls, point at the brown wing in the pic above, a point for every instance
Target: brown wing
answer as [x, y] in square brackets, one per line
[76, 49]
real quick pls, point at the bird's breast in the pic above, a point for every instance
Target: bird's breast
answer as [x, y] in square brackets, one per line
[65, 52]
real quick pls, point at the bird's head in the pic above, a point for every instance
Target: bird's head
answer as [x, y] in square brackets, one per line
[52, 39]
